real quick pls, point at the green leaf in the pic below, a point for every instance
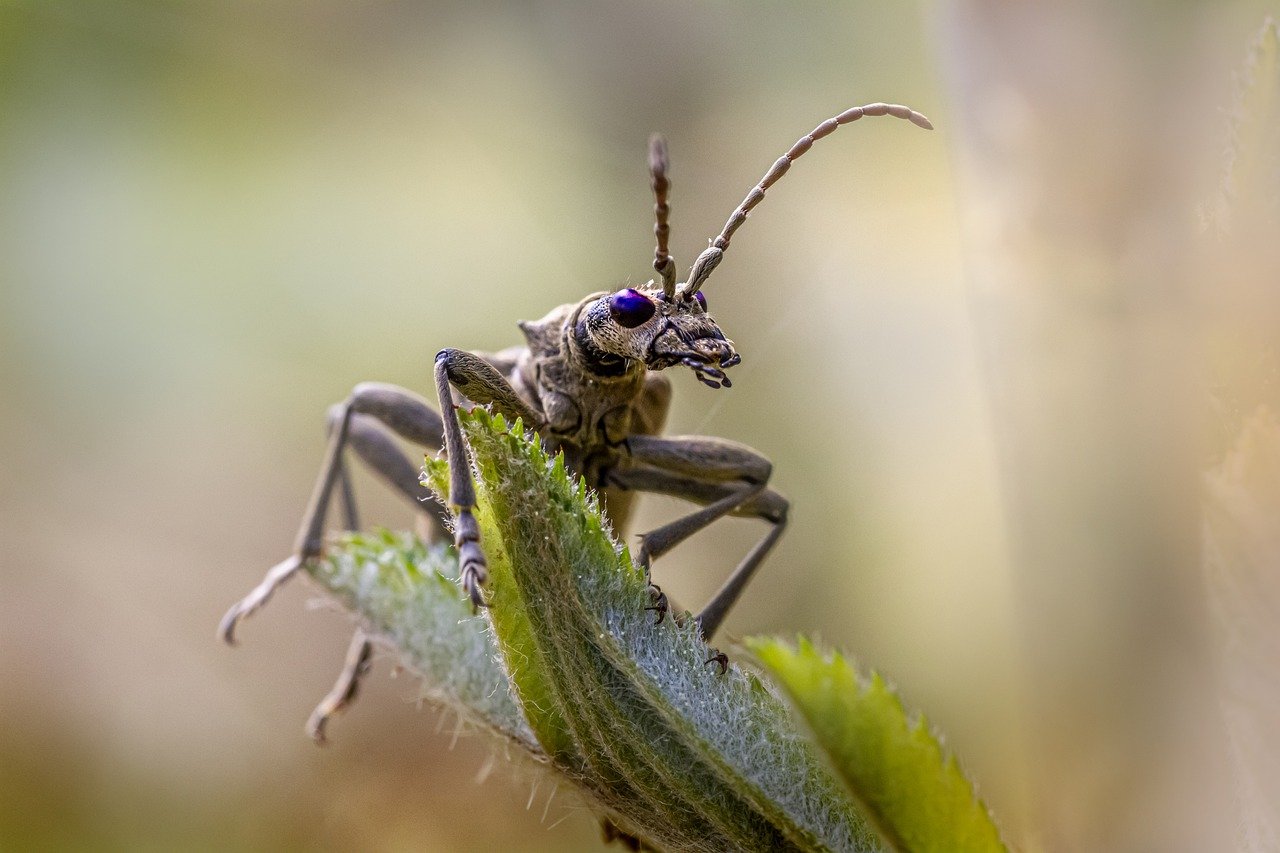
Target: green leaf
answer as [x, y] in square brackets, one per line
[917, 798]
[673, 751]
[569, 665]
[407, 594]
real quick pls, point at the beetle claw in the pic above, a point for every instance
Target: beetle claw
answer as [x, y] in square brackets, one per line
[660, 604]
[475, 572]
[720, 658]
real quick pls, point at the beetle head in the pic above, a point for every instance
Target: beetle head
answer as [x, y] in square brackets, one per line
[647, 325]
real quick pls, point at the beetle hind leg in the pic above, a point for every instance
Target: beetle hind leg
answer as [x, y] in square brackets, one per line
[357, 665]
[309, 542]
[364, 423]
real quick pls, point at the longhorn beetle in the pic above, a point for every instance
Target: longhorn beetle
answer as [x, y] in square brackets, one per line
[588, 382]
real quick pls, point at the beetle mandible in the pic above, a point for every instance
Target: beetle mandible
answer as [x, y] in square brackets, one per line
[588, 381]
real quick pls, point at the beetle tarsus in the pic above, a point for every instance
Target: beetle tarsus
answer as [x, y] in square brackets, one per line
[660, 603]
[720, 658]
[475, 572]
[258, 596]
[474, 567]
[358, 662]
[611, 833]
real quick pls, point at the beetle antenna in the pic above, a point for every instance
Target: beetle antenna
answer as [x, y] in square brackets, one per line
[662, 260]
[711, 256]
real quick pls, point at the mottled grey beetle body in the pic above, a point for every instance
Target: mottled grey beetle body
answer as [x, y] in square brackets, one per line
[588, 382]
[594, 383]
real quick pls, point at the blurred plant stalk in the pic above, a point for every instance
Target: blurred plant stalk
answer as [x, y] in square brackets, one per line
[1242, 487]
[1083, 168]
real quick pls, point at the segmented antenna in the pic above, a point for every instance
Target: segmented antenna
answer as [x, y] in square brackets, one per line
[711, 256]
[662, 260]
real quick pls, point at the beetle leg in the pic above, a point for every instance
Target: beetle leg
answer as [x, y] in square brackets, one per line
[661, 604]
[308, 542]
[376, 447]
[365, 423]
[719, 658]
[357, 423]
[728, 478]
[350, 512]
[358, 662]
[715, 610]
[657, 542]
[481, 383]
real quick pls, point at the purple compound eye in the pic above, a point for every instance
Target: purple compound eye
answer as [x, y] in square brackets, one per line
[702, 300]
[630, 308]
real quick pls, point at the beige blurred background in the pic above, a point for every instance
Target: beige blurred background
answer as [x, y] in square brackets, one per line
[975, 356]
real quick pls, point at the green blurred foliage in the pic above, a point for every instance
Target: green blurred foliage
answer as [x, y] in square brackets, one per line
[895, 768]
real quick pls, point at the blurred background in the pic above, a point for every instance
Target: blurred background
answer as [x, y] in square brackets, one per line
[992, 365]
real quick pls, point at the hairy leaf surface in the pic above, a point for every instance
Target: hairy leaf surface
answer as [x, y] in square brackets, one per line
[569, 665]
[916, 796]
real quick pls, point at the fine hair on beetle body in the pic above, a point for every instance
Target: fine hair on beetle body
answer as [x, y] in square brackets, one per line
[588, 380]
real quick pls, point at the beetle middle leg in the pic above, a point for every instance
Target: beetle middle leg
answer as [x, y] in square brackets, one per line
[729, 478]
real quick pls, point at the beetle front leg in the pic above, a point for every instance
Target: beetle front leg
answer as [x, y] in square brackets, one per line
[480, 382]
[462, 493]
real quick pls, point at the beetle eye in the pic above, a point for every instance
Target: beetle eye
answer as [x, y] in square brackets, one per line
[702, 300]
[630, 308]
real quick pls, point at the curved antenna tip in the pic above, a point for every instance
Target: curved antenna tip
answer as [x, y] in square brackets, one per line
[921, 121]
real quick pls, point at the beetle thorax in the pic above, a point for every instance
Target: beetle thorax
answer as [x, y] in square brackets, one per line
[586, 395]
